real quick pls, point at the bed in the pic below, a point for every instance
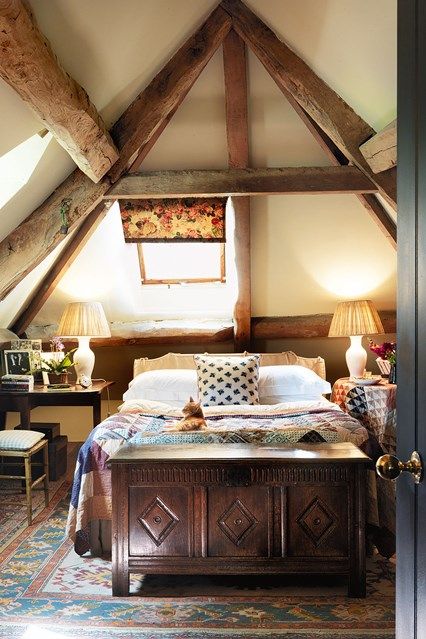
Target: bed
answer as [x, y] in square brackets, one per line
[304, 416]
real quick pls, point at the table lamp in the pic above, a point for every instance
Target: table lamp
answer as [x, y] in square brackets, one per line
[355, 319]
[84, 320]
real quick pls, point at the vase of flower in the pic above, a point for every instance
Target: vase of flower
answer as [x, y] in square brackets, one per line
[58, 363]
[386, 360]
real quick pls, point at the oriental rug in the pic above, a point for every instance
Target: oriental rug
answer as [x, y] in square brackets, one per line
[48, 592]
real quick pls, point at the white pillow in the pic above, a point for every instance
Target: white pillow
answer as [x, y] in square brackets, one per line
[288, 383]
[170, 386]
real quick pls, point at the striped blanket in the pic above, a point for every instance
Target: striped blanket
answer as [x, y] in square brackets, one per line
[307, 422]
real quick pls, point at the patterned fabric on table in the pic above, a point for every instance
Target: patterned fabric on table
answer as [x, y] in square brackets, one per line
[374, 406]
[227, 380]
[321, 422]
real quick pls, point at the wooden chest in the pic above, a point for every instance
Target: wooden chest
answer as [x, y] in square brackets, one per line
[239, 508]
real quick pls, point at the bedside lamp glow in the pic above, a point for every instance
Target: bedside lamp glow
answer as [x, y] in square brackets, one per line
[84, 320]
[355, 319]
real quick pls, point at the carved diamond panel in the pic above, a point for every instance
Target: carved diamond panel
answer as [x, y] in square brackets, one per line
[158, 520]
[237, 522]
[317, 521]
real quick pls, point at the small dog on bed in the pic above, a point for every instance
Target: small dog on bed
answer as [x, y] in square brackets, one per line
[193, 417]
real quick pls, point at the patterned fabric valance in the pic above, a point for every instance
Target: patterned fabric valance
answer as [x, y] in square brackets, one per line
[172, 220]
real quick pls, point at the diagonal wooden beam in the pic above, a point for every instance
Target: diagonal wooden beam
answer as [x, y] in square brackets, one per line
[342, 125]
[240, 182]
[29, 66]
[30, 242]
[164, 92]
[235, 72]
[373, 207]
[63, 262]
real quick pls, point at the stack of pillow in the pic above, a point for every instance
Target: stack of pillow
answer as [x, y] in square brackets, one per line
[225, 380]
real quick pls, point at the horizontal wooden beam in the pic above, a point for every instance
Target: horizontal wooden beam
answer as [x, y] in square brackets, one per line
[342, 125]
[211, 331]
[29, 66]
[166, 90]
[305, 326]
[154, 332]
[380, 151]
[30, 242]
[224, 182]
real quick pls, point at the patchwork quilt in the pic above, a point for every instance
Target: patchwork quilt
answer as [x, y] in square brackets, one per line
[149, 423]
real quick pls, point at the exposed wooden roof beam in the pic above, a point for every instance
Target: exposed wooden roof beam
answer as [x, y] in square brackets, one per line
[347, 129]
[149, 110]
[59, 268]
[380, 151]
[300, 326]
[235, 72]
[372, 205]
[29, 66]
[30, 242]
[228, 182]
[158, 332]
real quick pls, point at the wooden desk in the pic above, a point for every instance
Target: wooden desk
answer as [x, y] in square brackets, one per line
[23, 403]
[238, 509]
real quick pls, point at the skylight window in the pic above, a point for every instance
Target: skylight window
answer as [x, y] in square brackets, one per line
[174, 263]
[18, 164]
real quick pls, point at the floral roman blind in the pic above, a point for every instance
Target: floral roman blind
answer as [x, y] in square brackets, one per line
[174, 220]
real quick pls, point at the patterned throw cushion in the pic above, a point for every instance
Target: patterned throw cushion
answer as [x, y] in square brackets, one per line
[227, 380]
[19, 439]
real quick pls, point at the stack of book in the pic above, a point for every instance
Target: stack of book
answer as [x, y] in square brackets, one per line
[22, 383]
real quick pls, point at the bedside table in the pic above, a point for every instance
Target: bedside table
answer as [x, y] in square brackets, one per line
[374, 406]
[23, 403]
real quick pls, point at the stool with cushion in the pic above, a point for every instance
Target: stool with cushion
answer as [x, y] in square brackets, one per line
[24, 444]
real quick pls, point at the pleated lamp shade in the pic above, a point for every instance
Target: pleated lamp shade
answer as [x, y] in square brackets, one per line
[84, 319]
[357, 317]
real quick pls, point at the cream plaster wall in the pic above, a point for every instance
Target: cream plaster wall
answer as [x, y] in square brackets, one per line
[310, 251]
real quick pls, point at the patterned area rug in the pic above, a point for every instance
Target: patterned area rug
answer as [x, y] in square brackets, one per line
[13, 504]
[47, 592]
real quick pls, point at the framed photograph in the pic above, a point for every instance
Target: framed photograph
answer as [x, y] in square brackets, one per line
[36, 345]
[17, 362]
[25, 345]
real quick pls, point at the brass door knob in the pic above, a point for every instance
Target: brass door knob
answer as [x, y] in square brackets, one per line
[389, 467]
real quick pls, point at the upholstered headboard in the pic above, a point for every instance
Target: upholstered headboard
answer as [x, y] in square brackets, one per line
[186, 360]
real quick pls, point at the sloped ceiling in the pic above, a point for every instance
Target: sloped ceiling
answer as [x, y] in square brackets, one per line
[114, 47]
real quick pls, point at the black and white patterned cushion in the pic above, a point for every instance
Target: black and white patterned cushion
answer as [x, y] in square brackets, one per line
[227, 380]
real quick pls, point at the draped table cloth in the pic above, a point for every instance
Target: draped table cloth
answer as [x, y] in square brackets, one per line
[374, 406]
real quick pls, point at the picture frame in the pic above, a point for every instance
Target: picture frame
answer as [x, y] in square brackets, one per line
[17, 362]
[26, 345]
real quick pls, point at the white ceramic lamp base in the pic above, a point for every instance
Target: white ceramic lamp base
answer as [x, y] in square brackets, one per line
[356, 357]
[84, 359]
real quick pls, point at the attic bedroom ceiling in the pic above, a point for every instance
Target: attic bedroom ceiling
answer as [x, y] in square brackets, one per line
[355, 57]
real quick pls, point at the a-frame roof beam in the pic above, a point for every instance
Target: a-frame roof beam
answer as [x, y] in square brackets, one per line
[369, 201]
[29, 66]
[27, 245]
[228, 182]
[62, 263]
[30, 242]
[164, 92]
[347, 129]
